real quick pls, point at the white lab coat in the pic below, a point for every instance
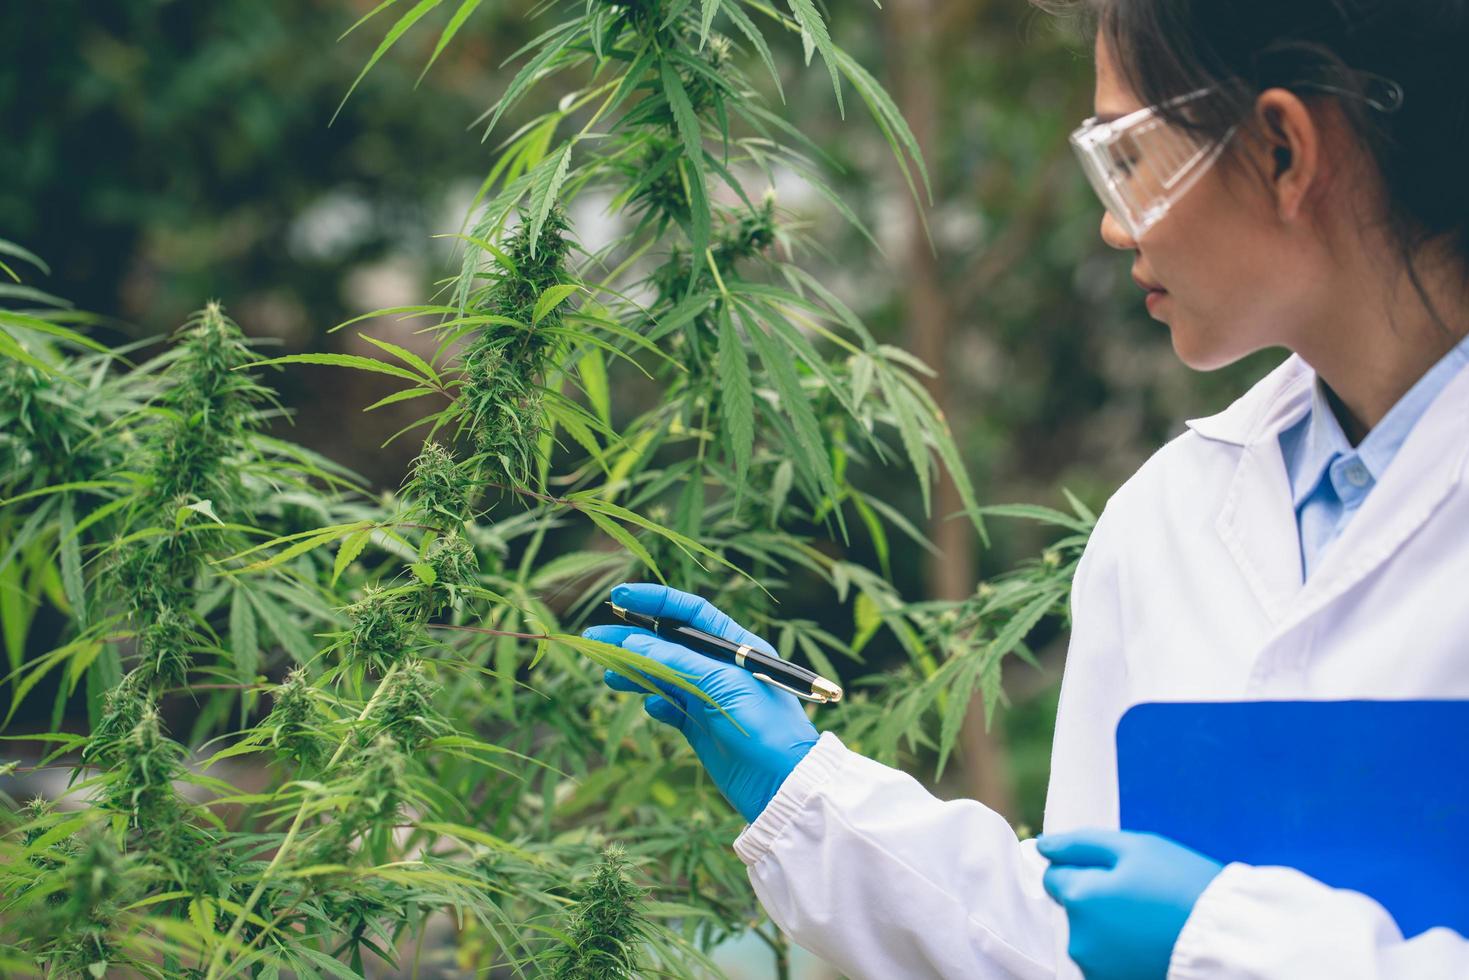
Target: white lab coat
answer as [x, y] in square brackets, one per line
[1190, 590]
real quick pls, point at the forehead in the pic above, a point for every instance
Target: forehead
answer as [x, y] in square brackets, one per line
[1113, 98]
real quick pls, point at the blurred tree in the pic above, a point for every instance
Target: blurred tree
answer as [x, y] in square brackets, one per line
[158, 152]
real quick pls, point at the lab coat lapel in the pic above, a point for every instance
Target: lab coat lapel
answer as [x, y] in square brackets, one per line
[1257, 522]
[1258, 528]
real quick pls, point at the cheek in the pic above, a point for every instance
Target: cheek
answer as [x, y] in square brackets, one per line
[1225, 278]
[1219, 257]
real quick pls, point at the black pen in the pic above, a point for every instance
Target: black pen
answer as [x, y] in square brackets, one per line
[767, 667]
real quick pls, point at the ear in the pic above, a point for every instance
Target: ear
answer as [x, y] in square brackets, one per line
[1292, 141]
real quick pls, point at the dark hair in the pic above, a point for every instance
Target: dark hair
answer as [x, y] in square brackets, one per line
[1353, 50]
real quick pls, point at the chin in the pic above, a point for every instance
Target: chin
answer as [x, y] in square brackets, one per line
[1200, 355]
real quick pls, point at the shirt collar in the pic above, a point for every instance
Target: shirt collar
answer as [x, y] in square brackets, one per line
[1313, 443]
[1317, 439]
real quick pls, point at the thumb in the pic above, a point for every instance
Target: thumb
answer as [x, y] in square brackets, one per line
[661, 709]
[1082, 848]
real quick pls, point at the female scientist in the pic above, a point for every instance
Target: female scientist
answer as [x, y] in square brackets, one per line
[1286, 173]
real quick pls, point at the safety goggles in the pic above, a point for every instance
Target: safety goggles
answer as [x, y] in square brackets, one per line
[1140, 165]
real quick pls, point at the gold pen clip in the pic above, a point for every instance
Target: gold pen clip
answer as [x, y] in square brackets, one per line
[829, 691]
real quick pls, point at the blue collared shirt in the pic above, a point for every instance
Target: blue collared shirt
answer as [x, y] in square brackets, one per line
[1330, 479]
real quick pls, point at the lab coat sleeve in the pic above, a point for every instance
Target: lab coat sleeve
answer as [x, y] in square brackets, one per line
[861, 865]
[1269, 923]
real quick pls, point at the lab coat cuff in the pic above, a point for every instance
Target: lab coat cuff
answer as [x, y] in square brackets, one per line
[820, 764]
[1266, 921]
[1193, 952]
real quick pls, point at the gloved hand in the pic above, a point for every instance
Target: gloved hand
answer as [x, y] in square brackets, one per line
[1126, 895]
[749, 766]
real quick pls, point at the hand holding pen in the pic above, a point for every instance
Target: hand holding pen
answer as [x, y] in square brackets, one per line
[759, 731]
[804, 684]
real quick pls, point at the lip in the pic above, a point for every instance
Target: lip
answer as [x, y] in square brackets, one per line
[1146, 286]
[1155, 296]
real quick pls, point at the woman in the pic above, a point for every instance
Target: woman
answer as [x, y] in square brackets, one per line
[1286, 173]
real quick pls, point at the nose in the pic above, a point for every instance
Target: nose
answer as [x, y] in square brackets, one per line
[1115, 235]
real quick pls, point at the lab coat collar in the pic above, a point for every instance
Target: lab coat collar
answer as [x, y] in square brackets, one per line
[1277, 400]
[1257, 521]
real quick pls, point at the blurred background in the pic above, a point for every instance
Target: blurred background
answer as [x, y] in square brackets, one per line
[160, 153]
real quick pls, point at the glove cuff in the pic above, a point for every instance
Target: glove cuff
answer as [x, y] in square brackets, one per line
[819, 764]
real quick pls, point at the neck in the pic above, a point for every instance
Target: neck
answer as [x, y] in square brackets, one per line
[1371, 351]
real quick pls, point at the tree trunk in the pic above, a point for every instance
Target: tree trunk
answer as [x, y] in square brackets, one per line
[913, 60]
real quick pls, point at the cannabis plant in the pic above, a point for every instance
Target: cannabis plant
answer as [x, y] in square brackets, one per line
[405, 669]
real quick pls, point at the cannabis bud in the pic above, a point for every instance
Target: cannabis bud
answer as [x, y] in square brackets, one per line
[293, 721]
[381, 628]
[438, 486]
[607, 925]
[454, 563]
[165, 644]
[404, 711]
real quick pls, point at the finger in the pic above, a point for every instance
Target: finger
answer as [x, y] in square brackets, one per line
[613, 634]
[658, 600]
[694, 666]
[691, 665]
[1082, 848]
[1070, 885]
[661, 709]
[627, 685]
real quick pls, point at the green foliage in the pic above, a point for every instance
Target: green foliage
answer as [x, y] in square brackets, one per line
[437, 739]
[607, 926]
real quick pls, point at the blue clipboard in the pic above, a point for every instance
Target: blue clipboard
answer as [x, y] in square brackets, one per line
[1367, 795]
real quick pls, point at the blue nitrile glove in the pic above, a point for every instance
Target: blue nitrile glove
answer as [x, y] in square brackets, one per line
[749, 766]
[1126, 895]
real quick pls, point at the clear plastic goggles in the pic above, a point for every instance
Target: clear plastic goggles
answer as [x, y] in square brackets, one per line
[1140, 165]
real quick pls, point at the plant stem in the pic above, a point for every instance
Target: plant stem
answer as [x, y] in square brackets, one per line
[217, 960]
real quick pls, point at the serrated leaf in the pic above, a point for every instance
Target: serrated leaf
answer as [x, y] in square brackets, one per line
[244, 637]
[1036, 512]
[687, 124]
[280, 626]
[593, 371]
[24, 322]
[205, 507]
[457, 21]
[622, 536]
[354, 361]
[552, 298]
[407, 357]
[780, 489]
[350, 548]
[569, 31]
[899, 403]
[889, 120]
[326, 536]
[811, 453]
[424, 572]
[543, 195]
[706, 18]
[394, 33]
[747, 27]
[814, 27]
[11, 348]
